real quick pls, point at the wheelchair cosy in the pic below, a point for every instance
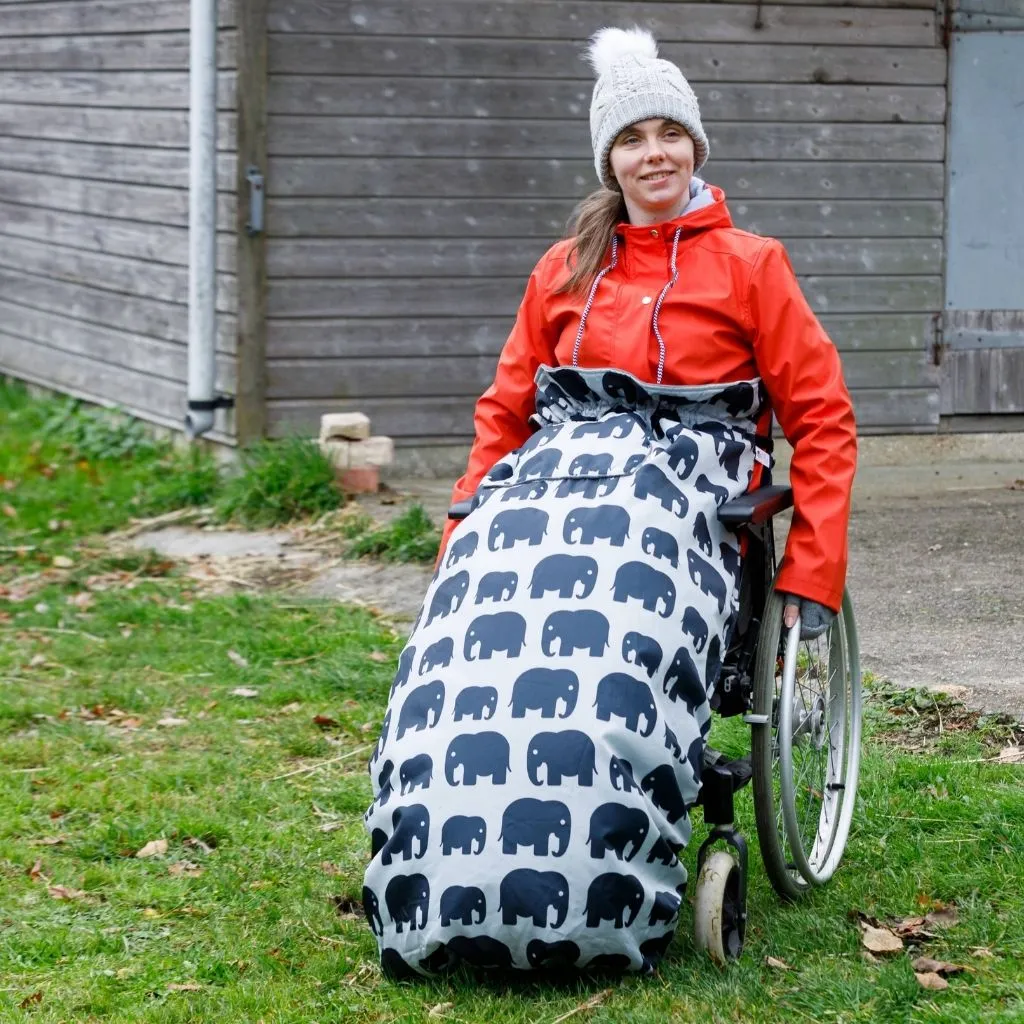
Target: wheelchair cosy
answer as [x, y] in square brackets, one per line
[733, 657]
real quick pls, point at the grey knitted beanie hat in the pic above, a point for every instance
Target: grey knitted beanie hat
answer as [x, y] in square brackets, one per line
[633, 85]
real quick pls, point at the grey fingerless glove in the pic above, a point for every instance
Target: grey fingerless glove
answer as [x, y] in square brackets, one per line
[814, 618]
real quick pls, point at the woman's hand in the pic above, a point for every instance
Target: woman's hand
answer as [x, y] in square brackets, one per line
[814, 618]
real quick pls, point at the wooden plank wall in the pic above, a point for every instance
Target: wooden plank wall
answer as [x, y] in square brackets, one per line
[422, 155]
[94, 161]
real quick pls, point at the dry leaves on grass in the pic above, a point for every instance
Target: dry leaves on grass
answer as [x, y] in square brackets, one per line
[184, 868]
[34, 999]
[170, 722]
[237, 659]
[65, 892]
[777, 964]
[187, 986]
[879, 940]
[440, 1010]
[154, 848]
[197, 844]
[1011, 755]
[244, 691]
[324, 721]
[926, 965]
[930, 980]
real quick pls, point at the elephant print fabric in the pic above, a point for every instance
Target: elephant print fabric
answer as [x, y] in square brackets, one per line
[543, 740]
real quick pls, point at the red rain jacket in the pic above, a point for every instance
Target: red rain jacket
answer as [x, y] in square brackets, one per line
[735, 312]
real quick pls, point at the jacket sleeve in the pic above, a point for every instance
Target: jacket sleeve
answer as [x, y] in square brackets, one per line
[804, 377]
[502, 411]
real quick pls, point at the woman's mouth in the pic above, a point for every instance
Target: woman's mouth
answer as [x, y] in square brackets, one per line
[656, 176]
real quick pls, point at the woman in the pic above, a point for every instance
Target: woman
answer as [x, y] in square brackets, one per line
[543, 742]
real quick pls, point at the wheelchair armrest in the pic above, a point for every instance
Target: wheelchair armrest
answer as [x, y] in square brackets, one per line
[461, 509]
[757, 506]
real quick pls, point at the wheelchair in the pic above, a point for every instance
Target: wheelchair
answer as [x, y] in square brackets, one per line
[802, 701]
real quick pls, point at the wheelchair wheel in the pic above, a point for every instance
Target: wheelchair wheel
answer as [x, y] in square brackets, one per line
[718, 912]
[806, 747]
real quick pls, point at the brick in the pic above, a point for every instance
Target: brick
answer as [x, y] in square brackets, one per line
[349, 426]
[337, 452]
[365, 480]
[374, 451]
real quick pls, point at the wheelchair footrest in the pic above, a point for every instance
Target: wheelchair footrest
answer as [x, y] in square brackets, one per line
[740, 770]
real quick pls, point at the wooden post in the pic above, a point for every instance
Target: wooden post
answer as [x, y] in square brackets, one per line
[250, 399]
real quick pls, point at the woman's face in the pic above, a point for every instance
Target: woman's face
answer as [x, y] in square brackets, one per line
[653, 163]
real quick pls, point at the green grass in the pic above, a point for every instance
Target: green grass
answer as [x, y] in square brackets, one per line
[118, 726]
[409, 537]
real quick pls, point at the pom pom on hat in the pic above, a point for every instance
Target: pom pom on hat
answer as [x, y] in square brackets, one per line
[634, 84]
[610, 45]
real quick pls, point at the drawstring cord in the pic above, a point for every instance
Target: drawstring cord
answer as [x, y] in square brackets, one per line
[657, 307]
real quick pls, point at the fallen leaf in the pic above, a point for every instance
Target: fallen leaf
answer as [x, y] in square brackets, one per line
[10, 511]
[331, 826]
[440, 1009]
[62, 562]
[926, 965]
[83, 600]
[36, 871]
[197, 844]
[186, 868]
[324, 721]
[1011, 755]
[381, 656]
[49, 841]
[169, 722]
[779, 965]
[290, 709]
[244, 691]
[151, 912]
[880, 940]
[37, 661]
[944, 917]
[65, 892]
[330, 869]
[36, 997]
[911, 928]
[188, 986]
[935, 982]
[983, 953]
[238, 659]
[154, 848]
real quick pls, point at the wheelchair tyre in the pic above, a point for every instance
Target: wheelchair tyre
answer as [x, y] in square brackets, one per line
[806, 756]
[718, 912]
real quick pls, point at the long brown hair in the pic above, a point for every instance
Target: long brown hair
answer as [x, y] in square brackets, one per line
[596, 217]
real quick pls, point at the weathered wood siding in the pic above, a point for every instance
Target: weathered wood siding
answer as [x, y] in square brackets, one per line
[94, 161]
[422, 155]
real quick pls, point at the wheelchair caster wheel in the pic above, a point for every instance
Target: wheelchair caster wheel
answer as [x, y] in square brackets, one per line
[719, 913]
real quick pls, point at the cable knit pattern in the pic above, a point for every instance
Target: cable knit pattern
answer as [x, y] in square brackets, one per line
[634, 84]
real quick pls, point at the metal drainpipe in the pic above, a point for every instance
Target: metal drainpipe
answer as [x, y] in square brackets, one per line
[202, 220]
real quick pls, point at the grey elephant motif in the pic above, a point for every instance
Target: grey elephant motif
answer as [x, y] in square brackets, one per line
[405, 661]
[664, 852]
[618, 426]
[662, 786]
[587, 486]
[651, 482]
[476, 702]
[614, 897]
[385, 787]
[437, 655]
[416, 773]
[660, 544]
[538, 439]
[730, 458]
[461, 547]
[529, 893]
[628, 698]
[683, 455]
[540, 689]
[604, 522]
[654, 950]
[544, 463]
[448, 597]
[378, 840]
[371, 908]
[713, 665]
[730, 559]
[460, 832]
[421, 703]
[720, 494]
[477, 754]
[683, 681]
[557, 955]
[584, 629]
[408, 899]
[591, 465]
[695, 626]
[612, 963]
[569, 753]
[503, 631]
[531, 490]
[569, 575]
[702, 534]
[706, 576]
[617, 828]
[672, 744]
[382, 739]
[517, 524]
[460, 903]
[411, 826]
[665, 909]
[497, 587]
[620, 774]
[643, 651]
[529, 822]
[639, 581]
[480, 951]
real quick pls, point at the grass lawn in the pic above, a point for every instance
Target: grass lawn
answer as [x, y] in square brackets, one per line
[226, 738]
